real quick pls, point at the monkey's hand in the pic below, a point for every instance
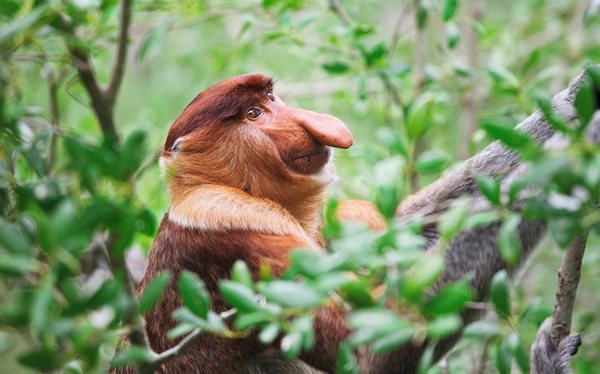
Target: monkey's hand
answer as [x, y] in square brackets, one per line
[546, 358]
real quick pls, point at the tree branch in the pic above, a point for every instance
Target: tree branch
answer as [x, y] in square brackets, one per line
[568, 279]
[171, 353]
[119, 67]
[469, 98]
[54, 118]
[340, 12]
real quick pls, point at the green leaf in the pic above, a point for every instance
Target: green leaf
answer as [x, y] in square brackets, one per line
[269, 333]
[450, 299]
[433, 161]
[419, 115]
[593, 72]
[180, 330]
[17, 265]
[452, 34]
[336, 67]
[291, 294]
[253, 319]
[544, 101]
[241, 274]
[146, 223]
[153, 40]
[291, 345]
[356, 292]
[392, 141]
[16, 26]
[422, 274]
[422, 13]
[187, 316]
[499, 294]
[503, 129]
[453, 220]
[504, 357]
[585, 102]
[426, 360]
[449, 10]
[502, 76]
[153, 291]
[591, 12]
[41, 304]
[13, 240]
[35, 153]
[239, 296]
[346, 361]
[520, 352]
[509, 243]
[481, 330]
[42, 359]
[134, 151]
[193, 293]
[362, 30]
[393, 340]
[490, 188]
[86, 4]
[444, 326]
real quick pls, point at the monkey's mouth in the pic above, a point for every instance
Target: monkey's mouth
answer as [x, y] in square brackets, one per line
[311, 162]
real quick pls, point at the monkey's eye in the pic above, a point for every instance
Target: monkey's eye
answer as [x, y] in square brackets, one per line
[253, 112]
[271, 96]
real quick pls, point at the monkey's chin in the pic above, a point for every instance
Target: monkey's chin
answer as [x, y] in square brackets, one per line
[310, 163]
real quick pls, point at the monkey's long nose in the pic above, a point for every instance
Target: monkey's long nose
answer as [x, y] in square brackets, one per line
[326, 129]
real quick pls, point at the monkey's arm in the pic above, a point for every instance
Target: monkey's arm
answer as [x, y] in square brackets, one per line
[476, 251]
[546, 358]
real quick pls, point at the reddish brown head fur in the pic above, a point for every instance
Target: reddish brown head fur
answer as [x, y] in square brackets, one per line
[219, 104]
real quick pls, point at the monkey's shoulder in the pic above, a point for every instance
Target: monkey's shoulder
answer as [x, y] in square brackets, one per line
[212, 253]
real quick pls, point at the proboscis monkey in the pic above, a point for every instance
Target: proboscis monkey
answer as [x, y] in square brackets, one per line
[246, 176]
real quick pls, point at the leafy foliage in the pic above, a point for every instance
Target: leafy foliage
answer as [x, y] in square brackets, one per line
[74, 200]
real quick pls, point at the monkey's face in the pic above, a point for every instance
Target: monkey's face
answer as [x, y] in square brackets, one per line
[239, 134]
[302, 138]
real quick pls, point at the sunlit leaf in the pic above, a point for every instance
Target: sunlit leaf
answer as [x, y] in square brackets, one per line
[449, 9]
[490, 188]
[346, 361]
[419, 115]
[239, 296]
[395, 339]
[291, 294]
[193, 293]
[432, 161]
[444, 326]
[452, 34]
[153, 291]
[509, 243]
[499, 294]
[241, 274]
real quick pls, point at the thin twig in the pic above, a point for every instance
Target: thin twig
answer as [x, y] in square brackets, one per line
[568, 279]
[340, 12]
[149, 162]
[392, 90]
[171, 353]
[397, 33]
[469, 98]
[119, 66]
[419, 82]
[54, 119]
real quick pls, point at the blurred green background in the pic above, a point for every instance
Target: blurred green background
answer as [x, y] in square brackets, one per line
[365, 64]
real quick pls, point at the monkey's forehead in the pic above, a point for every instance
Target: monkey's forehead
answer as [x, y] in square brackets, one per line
[219, 104]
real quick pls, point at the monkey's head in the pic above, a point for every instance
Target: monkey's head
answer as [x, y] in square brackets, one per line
[238, 133]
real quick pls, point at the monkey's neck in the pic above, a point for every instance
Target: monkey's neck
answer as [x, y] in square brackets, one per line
[307, 211]
[218, 208]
